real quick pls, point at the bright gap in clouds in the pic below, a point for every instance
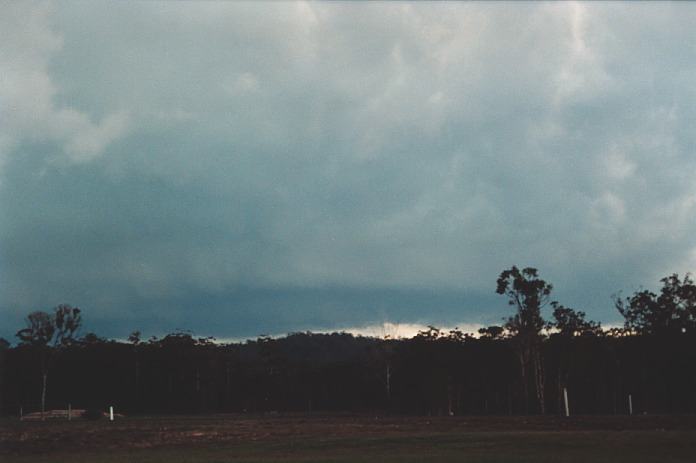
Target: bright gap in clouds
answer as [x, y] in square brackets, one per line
[386, 330]
[407, 330]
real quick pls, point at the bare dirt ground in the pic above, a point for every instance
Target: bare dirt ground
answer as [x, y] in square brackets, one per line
[35, 438]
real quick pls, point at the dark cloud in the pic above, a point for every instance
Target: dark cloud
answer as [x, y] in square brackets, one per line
[269, 168]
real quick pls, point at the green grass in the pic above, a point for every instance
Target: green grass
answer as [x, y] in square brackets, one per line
[469, 447]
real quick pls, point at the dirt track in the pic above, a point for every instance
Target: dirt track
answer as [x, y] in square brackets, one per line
[145, 432]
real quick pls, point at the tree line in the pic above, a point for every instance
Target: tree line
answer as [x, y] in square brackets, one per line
[522, 366]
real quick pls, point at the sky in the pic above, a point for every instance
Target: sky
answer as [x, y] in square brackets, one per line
[238, 169]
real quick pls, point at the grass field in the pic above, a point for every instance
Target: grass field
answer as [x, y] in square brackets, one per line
[352, 439]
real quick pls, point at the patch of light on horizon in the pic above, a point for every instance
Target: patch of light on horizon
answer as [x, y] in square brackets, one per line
[383, 330]
[386, 330]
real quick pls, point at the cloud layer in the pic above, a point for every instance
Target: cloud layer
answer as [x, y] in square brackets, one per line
[246, 168]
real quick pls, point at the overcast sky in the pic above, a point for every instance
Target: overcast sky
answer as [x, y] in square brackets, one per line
[238, 169]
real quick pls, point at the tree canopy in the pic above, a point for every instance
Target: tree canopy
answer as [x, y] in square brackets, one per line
[671, 311]
[528, 293]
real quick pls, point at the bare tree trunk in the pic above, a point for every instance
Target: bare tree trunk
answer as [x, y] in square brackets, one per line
[539, 379]
[137, 382]
[43, 395]
[450, 411]
[227, 385]
[525, 385]
[559, 392]
[388, 382]
[199, 396]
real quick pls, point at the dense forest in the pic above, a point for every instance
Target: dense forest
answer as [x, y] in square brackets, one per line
[522, 366]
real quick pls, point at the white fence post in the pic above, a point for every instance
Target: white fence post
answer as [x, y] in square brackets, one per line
[111, 413]
[630, 404]
[565, 400]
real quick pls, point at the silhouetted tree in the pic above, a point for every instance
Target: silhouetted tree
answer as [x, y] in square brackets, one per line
[436, 372]
[569, 322]
[4, 347]
[134, 339]
[566, 324]
[672, 311]
[528, 294]
[492, 332]
[383, 356]
[90, 339]
[47, 333]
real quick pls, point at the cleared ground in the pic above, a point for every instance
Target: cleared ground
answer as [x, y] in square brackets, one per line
[349, 438]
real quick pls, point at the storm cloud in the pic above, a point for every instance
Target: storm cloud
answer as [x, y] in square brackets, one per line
[240, 168]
